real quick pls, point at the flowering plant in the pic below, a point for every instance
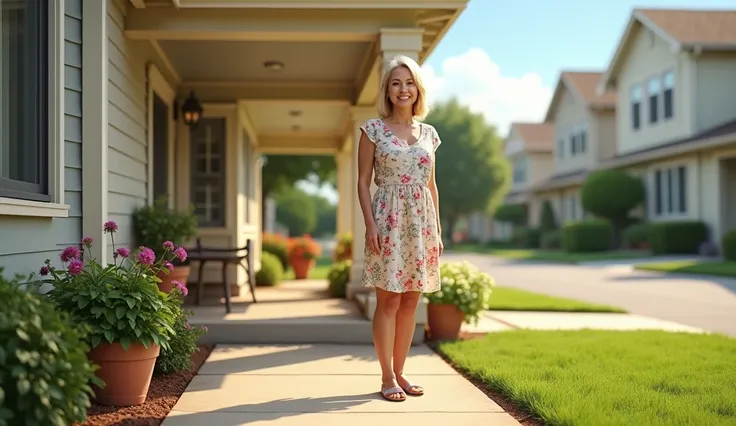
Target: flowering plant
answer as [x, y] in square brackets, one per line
[304, 247]
[119, 302]
[466, 287]
[344, 247]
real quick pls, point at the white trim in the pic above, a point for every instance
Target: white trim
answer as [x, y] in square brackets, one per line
[95, 125]
[166, 61]
[55, 137]
[157, 84]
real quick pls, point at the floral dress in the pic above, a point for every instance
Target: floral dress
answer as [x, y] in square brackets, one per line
[404, 212]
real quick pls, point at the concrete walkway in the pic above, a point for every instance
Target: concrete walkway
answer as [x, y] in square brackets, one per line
[326, 385]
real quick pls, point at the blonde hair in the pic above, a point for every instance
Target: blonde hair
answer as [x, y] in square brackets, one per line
[385, 106]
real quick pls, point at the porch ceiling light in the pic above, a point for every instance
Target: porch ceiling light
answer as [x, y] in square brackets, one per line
[274, 65]
[191, 110]
[295, 113]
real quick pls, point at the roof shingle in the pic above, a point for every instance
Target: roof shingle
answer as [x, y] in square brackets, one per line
[537, 136]
[586, 84]
[694, 27]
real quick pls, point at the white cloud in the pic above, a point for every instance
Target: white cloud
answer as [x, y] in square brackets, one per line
[478, 82]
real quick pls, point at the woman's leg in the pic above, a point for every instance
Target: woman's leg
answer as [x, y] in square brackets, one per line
[405, 326]
[384, 326]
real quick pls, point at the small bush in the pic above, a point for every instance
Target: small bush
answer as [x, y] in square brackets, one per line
[547, 220]
[526, 237]
[338, 278]
[278, 246]
[44, 372]
[587, 236]
[677, 237]
[551, 240]
[728, 242]
[511, 213]
[271, 272]
[636, 236]
[178, 357]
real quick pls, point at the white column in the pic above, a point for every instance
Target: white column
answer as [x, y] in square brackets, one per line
[94, 127]
[345, 189]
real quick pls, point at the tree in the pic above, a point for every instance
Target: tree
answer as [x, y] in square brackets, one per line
[471, 171]
[283, 171]
[515, 214]
[612, 194]
[296, 210]
[326, 217]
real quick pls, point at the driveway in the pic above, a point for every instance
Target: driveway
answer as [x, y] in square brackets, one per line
[708, 303]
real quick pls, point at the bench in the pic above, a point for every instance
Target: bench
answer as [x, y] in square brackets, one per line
[224, 256]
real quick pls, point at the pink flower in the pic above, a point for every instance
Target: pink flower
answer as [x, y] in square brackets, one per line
[146, 256]
[44, 270]
[182, 288]
[187, 326]
[203, 328]
[424, 160]
[180, 253]
[169, 266]
[405, 178]
[75, 267]
[110, 226]
[168, 245]
[70, 253]
[122, 252]
[87, 241]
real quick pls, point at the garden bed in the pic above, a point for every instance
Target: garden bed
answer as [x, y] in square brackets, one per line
[163, 394]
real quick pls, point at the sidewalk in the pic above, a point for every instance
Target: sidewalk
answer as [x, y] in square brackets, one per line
[327, 385]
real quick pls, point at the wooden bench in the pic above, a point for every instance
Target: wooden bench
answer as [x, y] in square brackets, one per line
[224, 256]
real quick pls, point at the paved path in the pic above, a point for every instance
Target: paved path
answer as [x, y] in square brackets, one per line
[703, 302]
[326, 385]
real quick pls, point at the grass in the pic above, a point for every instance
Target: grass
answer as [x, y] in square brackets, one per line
[552, 255]
[511, 299]
[319, 272]
[583, 378]
[721, 269]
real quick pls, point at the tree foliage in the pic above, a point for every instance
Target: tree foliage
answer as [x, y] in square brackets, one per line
[512, 213]
[611, 194]
[471, 171]
[296, 210]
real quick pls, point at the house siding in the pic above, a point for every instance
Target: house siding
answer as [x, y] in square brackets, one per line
[570, 113]
[28, 241]
[652, 56]
[715, 76]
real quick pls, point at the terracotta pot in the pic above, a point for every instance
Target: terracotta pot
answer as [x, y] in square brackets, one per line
[180, 273]
[127, 374]
[302, 266]
[445, 321]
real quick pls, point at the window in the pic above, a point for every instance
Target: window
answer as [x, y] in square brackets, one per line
[583, 140]
[24, 157]
[560, 147]
[520, 169]
[208, 171]
[636, 107]
[573, 144]
[668, 81]
[653, 92]
[670, 191]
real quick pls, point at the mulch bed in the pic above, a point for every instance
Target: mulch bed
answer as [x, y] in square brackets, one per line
[163, 393]
[514, 411]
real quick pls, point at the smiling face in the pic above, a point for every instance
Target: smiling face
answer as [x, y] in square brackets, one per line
[402, 89]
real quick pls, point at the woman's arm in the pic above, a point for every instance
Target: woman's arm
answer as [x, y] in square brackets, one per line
[366, 151]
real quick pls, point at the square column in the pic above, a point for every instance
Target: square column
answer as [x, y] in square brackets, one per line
[345, 189]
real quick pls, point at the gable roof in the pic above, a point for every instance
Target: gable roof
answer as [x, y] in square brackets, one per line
[584, 86]
[683, 29]
[538, 137]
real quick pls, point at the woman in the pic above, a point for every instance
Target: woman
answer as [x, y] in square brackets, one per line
[402, 224]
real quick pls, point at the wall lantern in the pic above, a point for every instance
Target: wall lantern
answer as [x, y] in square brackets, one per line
[191, 110]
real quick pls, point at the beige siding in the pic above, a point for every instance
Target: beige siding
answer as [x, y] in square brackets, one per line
[27, 242]
[650, 57]
[570, 114]
[715, 90]
[541, 166]
[605, 135]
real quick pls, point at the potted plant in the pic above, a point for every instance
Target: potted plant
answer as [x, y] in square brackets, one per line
[465, 294]
[129, 319]
[158, 223]
[303, 253]
[344, 247]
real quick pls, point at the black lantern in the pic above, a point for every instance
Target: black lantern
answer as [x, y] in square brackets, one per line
[191, 110]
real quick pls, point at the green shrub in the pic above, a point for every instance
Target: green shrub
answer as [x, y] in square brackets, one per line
[526, 237]
[728, 242]
[587, 236]
[677, 237]
[178, 356]
[636, 236]
[466, 287]
[338, 278]
[547, 220]
[551, 240]
[278, 246]
[612, 194]
[44, 372]
[271, 272]
[154, 224]
[511, 213]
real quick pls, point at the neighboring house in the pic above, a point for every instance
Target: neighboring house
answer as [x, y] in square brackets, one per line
[675, 74]
[95, 97]
[529, 148]
[584, 134]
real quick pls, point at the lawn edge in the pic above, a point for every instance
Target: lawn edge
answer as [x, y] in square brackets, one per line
[644, 267]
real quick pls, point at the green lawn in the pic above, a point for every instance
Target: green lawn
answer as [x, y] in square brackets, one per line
[721, 269]
[319, 272]
[551, 255]
[511, 299]
[585, 378]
